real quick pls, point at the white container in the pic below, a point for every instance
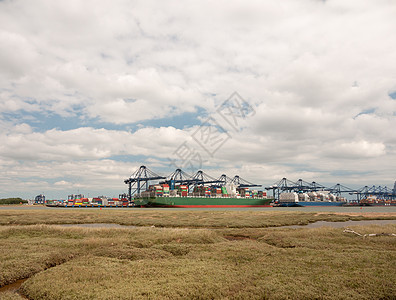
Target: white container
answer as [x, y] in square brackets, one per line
[288, 197]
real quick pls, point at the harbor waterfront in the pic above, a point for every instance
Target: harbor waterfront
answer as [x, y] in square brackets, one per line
[200, 190]
[329, 209]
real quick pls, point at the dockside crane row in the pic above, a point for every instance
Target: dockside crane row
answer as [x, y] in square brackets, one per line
[224, 179]
[203, 179]
[394, 190]
[300, 186]
[283, 185]
[377, 191]
[242, 183]
[139, 180]
[179, 177]
[287, 186]
[339, 189]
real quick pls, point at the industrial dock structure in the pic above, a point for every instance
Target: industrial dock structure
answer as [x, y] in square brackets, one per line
[179, 189]
[302, 193]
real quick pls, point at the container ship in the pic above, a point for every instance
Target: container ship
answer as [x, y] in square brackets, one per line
[79, 200]
[374, 201]
[202, 196]
[321, 198]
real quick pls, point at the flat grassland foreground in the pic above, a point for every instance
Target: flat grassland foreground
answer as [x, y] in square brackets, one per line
[196, 254]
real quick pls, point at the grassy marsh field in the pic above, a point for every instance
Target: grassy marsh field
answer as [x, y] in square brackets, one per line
[176, 218]
[236, 260]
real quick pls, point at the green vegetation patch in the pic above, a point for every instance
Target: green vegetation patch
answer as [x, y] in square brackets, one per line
[9, 201]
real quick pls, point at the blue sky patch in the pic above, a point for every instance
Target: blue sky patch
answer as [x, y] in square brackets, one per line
[365, 112]
[43, 121]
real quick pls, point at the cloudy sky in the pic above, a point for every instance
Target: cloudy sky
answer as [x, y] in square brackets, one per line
[91, 90]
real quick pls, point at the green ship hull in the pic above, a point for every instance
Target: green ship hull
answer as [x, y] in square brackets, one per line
[203, 202]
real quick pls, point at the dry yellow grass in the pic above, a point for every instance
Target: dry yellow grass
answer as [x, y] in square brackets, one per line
[171, 218]
[175, 263]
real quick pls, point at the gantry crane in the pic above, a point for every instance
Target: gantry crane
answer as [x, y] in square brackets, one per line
[139, 180]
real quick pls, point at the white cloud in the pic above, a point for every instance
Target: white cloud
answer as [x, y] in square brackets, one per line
[88, 143]
[58, 179]
[62, 183]
[356, 150]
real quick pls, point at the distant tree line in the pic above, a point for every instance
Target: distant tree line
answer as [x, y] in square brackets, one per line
[12, 201]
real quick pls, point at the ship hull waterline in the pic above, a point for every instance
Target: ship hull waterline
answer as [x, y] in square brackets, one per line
[310, 203]
[196, 202]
